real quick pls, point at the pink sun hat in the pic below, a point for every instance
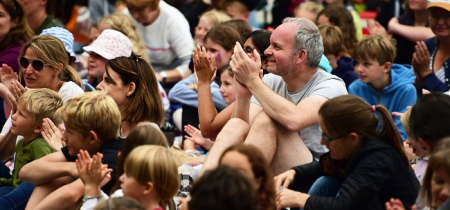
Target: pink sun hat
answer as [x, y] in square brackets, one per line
[111, 44]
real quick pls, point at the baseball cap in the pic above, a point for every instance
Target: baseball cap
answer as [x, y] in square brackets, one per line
[111, 44]
[65, 36]
[444, 4]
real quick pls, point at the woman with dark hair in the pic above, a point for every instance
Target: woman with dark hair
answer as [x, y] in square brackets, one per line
[364, 167]
[251, 161]
[342, 18]
[223, 188]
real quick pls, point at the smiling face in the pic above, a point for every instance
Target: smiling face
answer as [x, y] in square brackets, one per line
[416, 146]
[227, 89]
[440, 186]
[222, 56]
[201, 30]
[280, 56]
[440, 22]
[39, 79]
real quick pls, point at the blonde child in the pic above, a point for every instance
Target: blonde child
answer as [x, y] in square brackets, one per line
[308, 10]
[33, 106]
[207, 21]
[150, 177]
[380, 80]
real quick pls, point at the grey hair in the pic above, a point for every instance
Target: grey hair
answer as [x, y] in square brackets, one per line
[307, 36]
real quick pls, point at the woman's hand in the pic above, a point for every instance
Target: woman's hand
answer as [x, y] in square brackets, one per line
[421, 60]
[195, 135]
[288, 198]
[204, 66]
[52, 134]
[284, 179]
[7, 75]
[396, 204]
[376, 28]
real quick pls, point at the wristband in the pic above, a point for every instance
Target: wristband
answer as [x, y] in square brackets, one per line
[88, 197]
[163, 75]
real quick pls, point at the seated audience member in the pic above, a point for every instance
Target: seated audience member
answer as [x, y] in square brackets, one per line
[206, 22]
[297, 88]
[342, 18]
[250, 160]
[236, 192]
[381, 81]
[150, 177]
[32, 108]
[219, 42]
[429, 120]
[355, 15]
[420, 160]
[333, 48]
[431, 61]
[408, 29]
[166, 35]
[92, 121]
[364, 168]
[238, 9]
[44, 15]
[308, 10]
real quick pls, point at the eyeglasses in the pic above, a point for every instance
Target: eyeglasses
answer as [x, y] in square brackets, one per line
[37, 64]
[328, 139]
[445, 17]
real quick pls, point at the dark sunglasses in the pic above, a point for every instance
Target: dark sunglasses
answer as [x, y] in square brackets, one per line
[328, 139]
[37, 65]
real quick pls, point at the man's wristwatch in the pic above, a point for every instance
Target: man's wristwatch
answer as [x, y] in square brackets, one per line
[164, 76]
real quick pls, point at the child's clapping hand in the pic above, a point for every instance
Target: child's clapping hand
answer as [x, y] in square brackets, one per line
[92, 172]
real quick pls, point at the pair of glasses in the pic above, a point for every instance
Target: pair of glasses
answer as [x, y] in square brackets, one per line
[328, 139]
[37, 65]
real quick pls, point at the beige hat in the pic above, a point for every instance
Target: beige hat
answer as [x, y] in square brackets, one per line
[444, 4]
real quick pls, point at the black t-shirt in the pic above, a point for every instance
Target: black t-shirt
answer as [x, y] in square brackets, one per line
[109, 150]
[405, 47]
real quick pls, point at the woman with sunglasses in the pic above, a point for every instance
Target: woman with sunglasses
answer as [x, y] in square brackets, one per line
[364, 167]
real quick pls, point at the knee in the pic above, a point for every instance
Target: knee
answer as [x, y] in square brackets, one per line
[264, 121]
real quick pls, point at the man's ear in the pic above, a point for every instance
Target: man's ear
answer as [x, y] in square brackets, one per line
[301, 56]
[92, 136]
[148, 188]
[426, 144]
[131, 89]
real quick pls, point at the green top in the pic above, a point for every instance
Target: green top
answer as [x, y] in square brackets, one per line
[26, 153]
[48, 23]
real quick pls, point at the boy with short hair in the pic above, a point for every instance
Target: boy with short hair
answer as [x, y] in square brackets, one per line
[33, 106]
[92, 122]
[332, 44]
[380, 80]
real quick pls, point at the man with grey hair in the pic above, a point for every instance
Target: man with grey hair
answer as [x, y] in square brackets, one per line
[281, 118]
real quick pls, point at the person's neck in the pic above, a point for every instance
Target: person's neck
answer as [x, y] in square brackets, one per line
[149, 202]
[298, 79]
[420, 18]
[35, 20]
[153, 16]
[56, 85]
[30, 137]
[383, 82]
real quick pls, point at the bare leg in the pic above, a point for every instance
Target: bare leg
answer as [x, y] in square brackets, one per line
[232, 133]
[282, 148]
[65, 197]
[41, 191]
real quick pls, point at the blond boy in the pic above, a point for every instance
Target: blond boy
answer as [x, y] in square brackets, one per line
[333, 48]
[92, 122]
[33, 106]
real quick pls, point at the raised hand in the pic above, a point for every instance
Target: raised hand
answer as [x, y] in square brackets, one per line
[204, 66]
[7, 75]
[245, 67]
[52, 134]
[91, 171]
[195, 135]
[397, 204]
[421, 60]
[376, 28]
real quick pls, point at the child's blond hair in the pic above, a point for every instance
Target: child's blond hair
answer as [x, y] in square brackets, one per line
[404, 119]
[215, 17]
[151, 163]
[332, 39]
[376, 47]
[42, 103]
[93, 111]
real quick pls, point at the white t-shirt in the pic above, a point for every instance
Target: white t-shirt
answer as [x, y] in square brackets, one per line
[322, 84]
[168, 41]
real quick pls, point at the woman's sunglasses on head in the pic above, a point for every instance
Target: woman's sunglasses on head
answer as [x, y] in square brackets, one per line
[37, 64]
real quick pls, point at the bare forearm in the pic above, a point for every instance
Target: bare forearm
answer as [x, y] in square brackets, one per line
[242, 109]
[413, 33]
[40, 172]
[64, 197]
[7, 146]
[173, 75]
